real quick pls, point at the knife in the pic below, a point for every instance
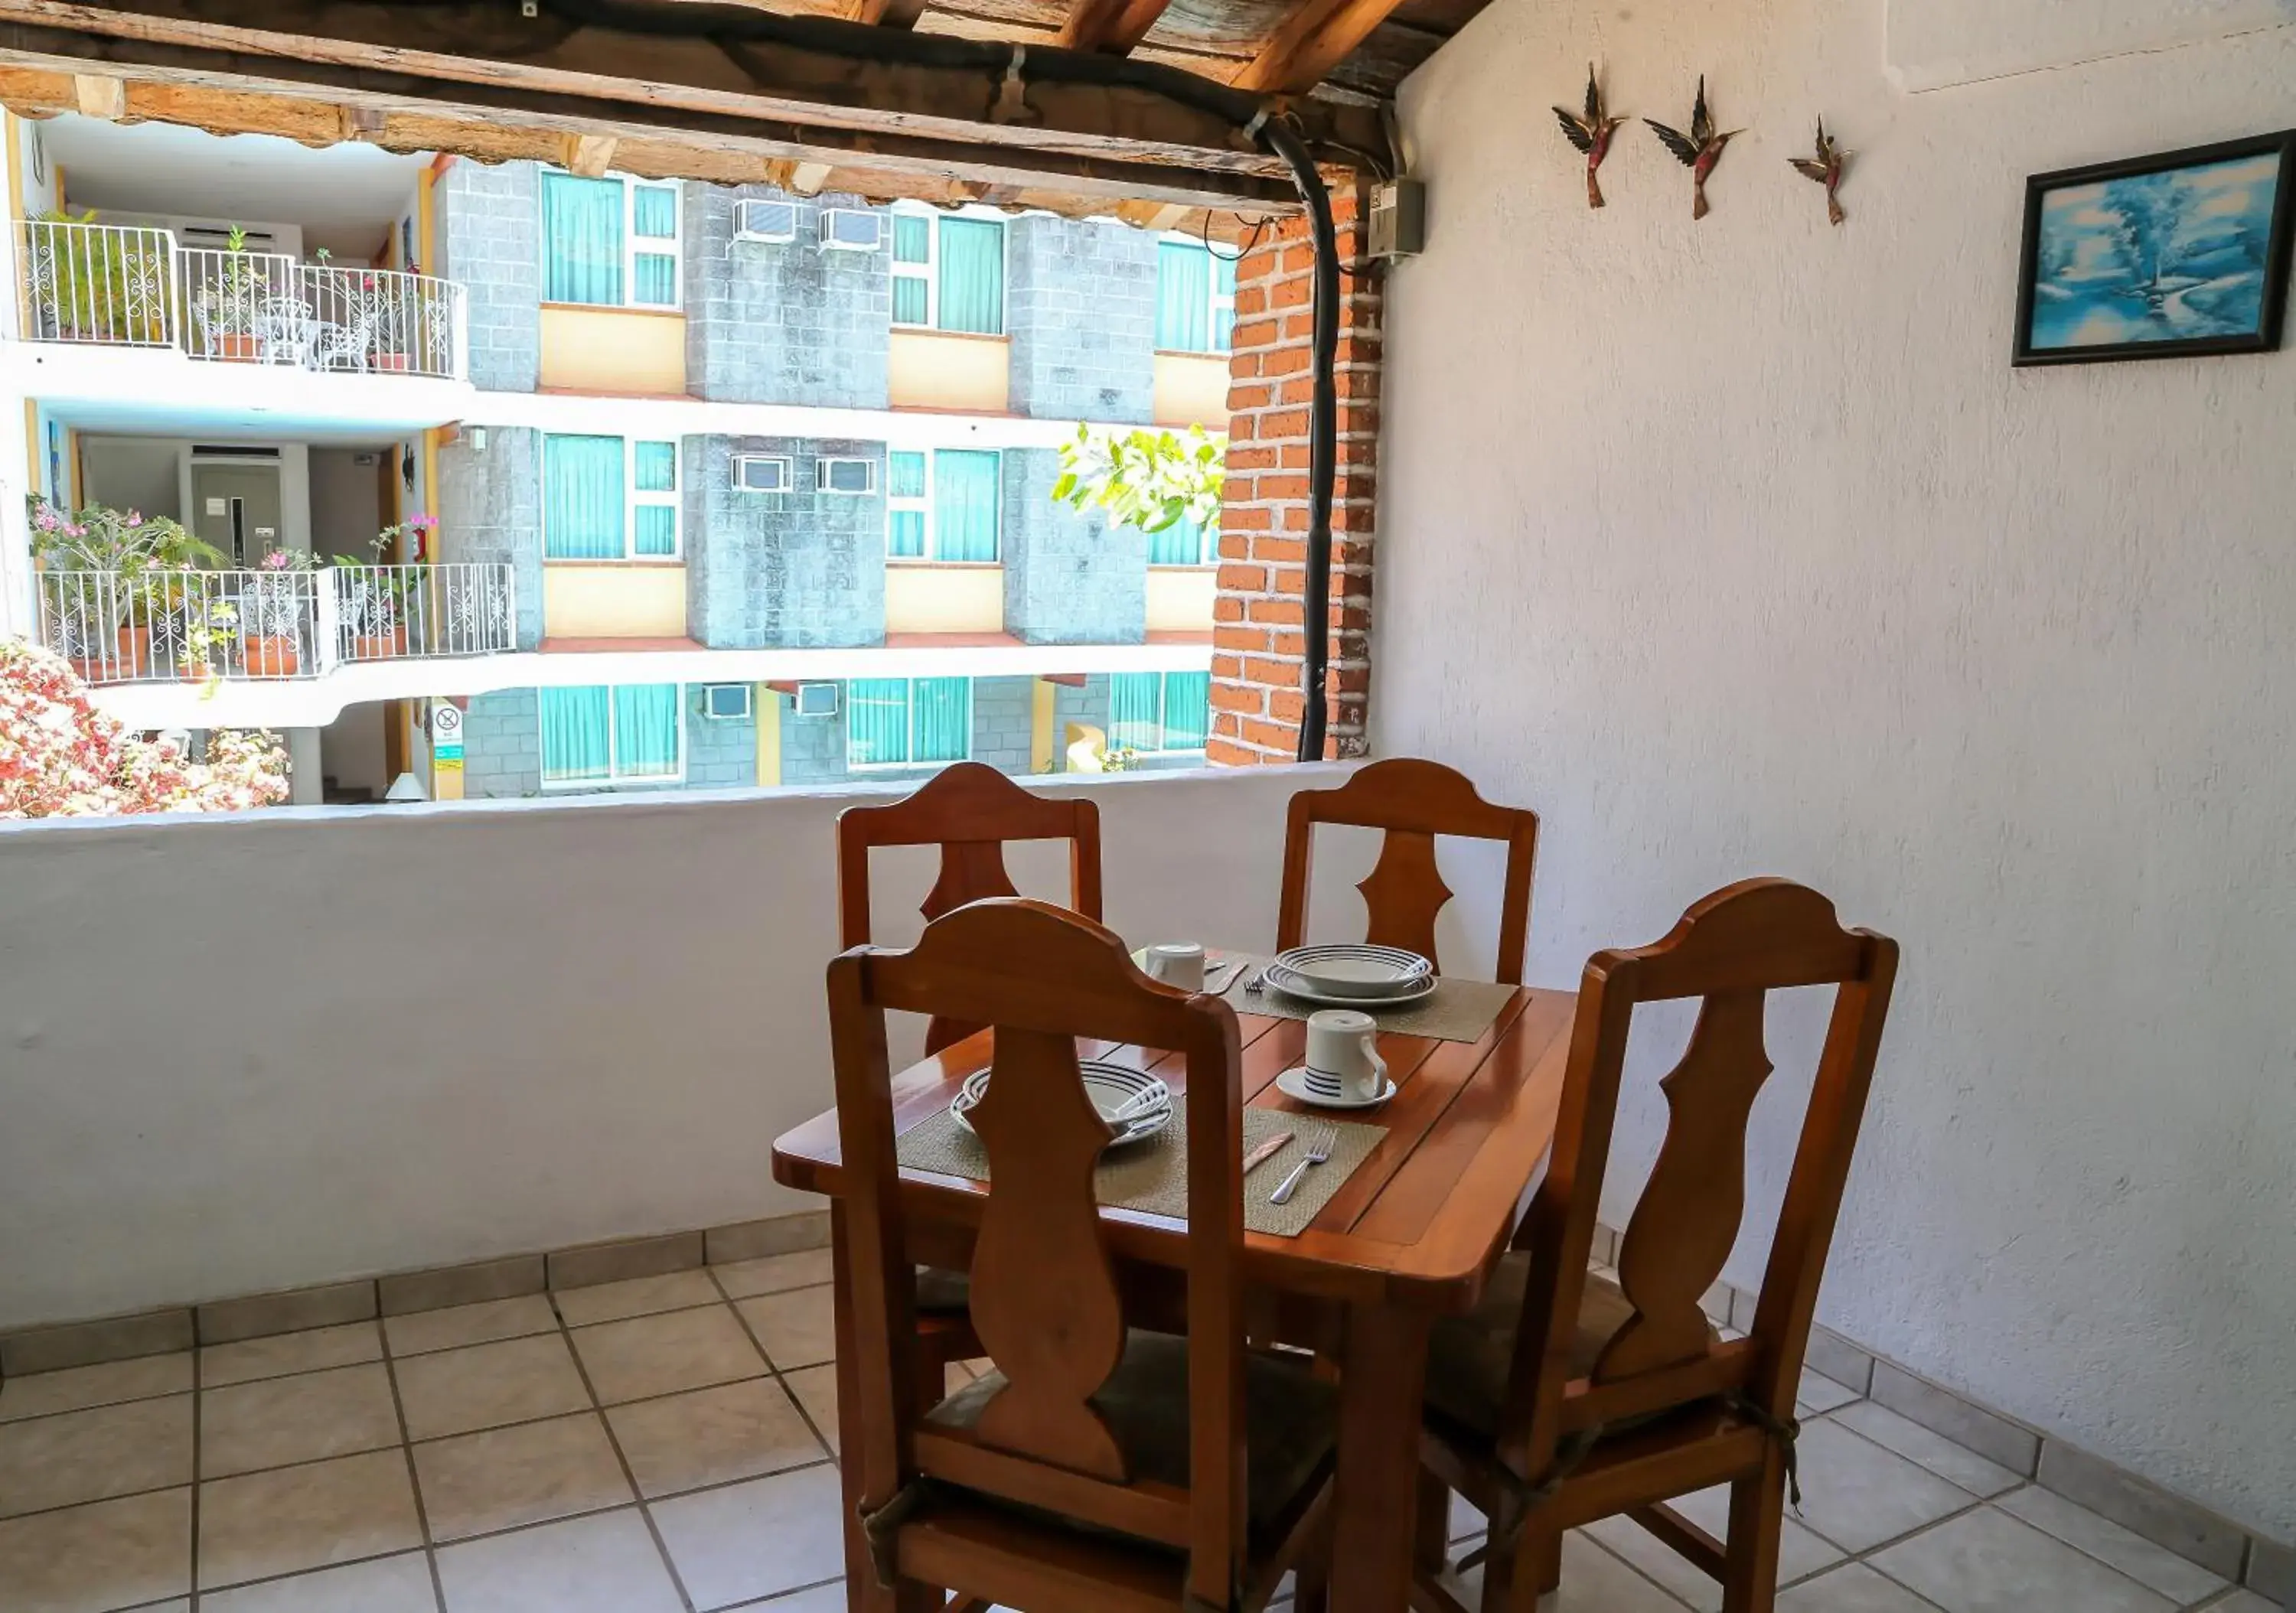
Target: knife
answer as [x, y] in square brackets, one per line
[1266, 1151]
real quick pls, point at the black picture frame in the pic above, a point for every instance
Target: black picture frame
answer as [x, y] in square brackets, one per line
[2274, 304]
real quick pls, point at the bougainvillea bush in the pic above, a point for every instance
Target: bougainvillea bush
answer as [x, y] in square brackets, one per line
[60, 756]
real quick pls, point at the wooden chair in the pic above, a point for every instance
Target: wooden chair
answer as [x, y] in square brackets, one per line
[1098, 1467]
[969, 810]
[1413, 801]
[1567, 1396]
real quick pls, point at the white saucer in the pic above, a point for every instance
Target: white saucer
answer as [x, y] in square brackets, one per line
[1293, 1084]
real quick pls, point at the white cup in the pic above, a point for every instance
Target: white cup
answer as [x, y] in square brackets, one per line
[1344, 1046]
[1179, 963]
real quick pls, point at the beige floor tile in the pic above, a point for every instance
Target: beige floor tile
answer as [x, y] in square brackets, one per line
[636, 1296]
[283, 1353]
[828, 1597]
[1593, 1582]
[421, 1332]
[746, 1279]
[261, 1524]
[2182, 1582]
[1819, 1393]
[487, 1385]
[1940, 1456]
[798, 1328]
[389, 1585]
[2243, 1601]
[78, 1388]
[605, 1564]
[815, 1389]
[1851, 1588]
[662, 1354]
[92, 1558]
[1989, 1562]
[92, 1455]
[752, 1540]
[736, 1431]
[1801, 1552]
[476, 1484]
[1857, 1494]
[1464, 1519]
[277, 1420]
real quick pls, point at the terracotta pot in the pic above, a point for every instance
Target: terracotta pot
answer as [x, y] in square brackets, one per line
[135, 652]
[377, 647]
[194, 672]
[397, 364]
[91, 671]
[239, 344]
[271, 657]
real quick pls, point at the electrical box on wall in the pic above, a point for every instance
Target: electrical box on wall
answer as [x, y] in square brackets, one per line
[1398, 219]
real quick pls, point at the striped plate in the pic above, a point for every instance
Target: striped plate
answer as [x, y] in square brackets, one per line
[1358, 970]
[1143, 1100]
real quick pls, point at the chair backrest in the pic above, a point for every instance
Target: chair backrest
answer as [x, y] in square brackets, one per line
[1730, 950]
[1044, 1299]
[970, 810]
[1413, 801]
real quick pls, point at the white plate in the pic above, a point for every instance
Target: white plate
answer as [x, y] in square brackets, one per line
[1293, 1084]
[1358, 970]
[1280, 979]
[1109, 1086]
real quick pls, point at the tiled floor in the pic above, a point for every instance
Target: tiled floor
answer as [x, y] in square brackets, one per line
[663, 1445]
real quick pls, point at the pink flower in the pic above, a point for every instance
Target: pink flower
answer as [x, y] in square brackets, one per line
[135, 518]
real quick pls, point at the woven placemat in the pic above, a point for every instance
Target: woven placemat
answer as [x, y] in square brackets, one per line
[1152, 1176]
[1460, 1011]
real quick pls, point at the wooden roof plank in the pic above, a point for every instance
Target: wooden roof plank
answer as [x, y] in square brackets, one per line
[1111, 27]
[1309, 43]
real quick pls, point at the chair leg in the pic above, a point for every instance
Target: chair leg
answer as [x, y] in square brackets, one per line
[1431, 1535]
[1541, 1561]
[1500, 1566]
[1750, 1558]
[1311, 1589]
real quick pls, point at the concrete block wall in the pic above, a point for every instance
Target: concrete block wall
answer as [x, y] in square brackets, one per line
[502, 745]
[1080, 309]
[489, 236]
[783, 570]
[721, 753]
[489, 508]
[782, 323]
[1002, 720]
[1068, 579]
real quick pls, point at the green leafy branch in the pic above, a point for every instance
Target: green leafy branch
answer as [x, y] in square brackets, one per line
[1143, 478]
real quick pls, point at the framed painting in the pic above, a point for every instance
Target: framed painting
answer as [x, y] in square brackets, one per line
[2171, 256]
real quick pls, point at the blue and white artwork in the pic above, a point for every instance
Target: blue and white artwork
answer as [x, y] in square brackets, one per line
[2180, 254]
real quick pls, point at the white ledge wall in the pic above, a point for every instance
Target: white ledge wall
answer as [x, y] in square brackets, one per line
[1738, 548]
[239, 1054]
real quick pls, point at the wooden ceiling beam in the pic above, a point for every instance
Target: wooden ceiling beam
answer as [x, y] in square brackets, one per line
[886, 13]
[1310, 41]
[589, 155]
[1111, 27]
[99, 95]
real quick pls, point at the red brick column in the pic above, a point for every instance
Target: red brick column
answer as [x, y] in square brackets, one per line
[1257, 641]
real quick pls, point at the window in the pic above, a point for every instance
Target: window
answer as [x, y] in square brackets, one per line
[762, 473]
[898, 722]
[1195, 297]
[944, 504]
[610, 242]
[948, 272]
[850, 478]
[1159, 711]
[612, 734]
[1184, 542]
[609, 498]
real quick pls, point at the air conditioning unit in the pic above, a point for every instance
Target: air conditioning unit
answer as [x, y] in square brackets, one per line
[765, 221]
[849, 477]
[817, 699]
[851, 230]
[762, 473]
[728, 702]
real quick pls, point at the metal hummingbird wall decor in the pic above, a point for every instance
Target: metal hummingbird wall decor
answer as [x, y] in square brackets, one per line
[1826, 168]
[1591, 133]
[1698, 150]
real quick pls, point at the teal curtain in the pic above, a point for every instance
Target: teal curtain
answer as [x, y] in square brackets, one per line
[1184, 297]
[1187, 709]
[653, 212]
[1181, 544]
[1223, 319]
[646, 730]
[582, 498]
[904, 529]
[972, 276]
[656, 466]
[876, 721]
[965, 503]
[653, 216]
[944, 709]
[1132, 723]
[912, 243]
[575, 726]
[582, 240]
[657, 531]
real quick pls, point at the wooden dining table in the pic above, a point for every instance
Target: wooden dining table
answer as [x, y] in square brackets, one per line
[1413, 1235]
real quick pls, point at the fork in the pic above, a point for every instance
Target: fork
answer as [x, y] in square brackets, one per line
[1256, 985]
[1316, 1138]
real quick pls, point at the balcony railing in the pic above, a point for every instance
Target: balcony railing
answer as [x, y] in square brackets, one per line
[124, 285]
[193, 625]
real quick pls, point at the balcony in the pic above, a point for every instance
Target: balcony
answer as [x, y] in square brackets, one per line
[119, 286]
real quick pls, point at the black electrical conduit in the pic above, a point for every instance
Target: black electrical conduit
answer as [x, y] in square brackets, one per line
[730, 28]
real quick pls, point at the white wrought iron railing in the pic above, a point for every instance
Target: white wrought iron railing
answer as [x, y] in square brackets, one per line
[122, 285]
[193, 625]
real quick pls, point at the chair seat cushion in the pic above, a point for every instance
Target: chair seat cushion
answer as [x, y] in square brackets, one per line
[941, 1293]
[1291, 1420]
[1470, 1356]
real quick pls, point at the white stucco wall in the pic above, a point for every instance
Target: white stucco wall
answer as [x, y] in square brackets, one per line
[1738, 548]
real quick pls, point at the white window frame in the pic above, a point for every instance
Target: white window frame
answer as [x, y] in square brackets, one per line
[1163, 720]
[930, 267]
[1223, 303]
[614, 779]
[636, 246]
[638, 500]
[893, 503]
[909, 704]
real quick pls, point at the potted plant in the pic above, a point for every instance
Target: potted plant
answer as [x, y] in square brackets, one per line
[227, 305]
[386, 318]
[117, 563]
[202, 627]
[372, 599]
[271, 613]
[96, 285]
